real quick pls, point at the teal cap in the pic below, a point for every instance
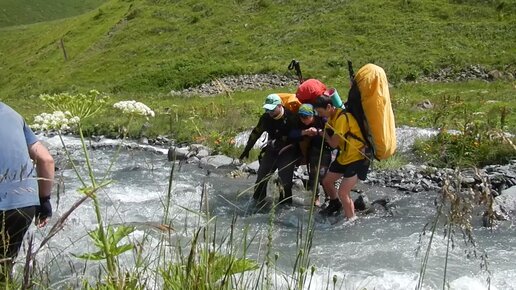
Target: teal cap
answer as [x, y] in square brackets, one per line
[271, 102]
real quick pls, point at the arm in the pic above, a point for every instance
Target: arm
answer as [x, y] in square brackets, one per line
[253, 137]
[298, 134]
[333, 140]
[340, 127]
[45, 170]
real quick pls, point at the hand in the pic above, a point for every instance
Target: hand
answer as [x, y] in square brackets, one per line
[43, 211]
[311, 131]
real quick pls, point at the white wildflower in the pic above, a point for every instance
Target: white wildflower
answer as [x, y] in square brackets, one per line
[56, 121]
[134, 107]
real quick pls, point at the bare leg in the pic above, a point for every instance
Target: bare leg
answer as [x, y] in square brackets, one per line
[329, 184]
[346, 185]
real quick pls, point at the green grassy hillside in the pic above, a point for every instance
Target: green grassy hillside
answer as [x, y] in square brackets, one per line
[153, 46]
[16, 12]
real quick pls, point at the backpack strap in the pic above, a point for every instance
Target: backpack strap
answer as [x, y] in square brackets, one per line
[349, 133]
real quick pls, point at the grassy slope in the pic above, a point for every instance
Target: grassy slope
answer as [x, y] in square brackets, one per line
[142, 49]
[153, 46]
[16, 12]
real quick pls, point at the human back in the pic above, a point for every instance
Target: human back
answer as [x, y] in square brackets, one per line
[18, 183]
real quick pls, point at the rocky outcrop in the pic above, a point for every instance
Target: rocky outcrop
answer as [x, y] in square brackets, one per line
[229, 84]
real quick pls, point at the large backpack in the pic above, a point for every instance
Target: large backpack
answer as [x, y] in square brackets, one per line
[369, 102]
[309, 90]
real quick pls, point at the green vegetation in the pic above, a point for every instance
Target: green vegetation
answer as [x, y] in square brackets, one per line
[142, 49]
[17, 12]
[216, 121]
[153, 46]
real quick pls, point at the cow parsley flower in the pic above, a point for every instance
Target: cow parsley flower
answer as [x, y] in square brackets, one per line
[58, 121]
[134, 108]
[83, 105]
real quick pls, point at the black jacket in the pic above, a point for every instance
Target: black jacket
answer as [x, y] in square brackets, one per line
[278, 131]
[315, 141]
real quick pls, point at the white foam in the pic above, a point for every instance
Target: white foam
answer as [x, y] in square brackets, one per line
[470, 283]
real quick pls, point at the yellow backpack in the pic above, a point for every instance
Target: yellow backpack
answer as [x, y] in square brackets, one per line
[290, 101]
[370, 103]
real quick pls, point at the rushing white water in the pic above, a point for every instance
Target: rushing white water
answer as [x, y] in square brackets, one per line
[377, 251]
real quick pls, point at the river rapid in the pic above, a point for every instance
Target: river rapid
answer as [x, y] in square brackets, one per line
[377, 251]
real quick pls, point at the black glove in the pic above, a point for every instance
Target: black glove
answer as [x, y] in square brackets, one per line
[44, 209]
[244, 154]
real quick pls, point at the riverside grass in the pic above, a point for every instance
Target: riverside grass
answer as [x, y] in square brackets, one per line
[215, 121]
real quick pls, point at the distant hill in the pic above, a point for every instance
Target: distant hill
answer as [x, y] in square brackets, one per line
[17, 12]
[153, 46]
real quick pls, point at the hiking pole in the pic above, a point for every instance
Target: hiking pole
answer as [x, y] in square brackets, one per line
[294, 64]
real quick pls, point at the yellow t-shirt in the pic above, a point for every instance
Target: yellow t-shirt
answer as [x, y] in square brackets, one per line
[349, 146]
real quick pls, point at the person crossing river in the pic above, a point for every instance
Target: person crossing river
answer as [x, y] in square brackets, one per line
[351, 163]
[317, 154]
[281, 151]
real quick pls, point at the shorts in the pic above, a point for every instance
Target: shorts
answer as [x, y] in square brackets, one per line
[359, 168]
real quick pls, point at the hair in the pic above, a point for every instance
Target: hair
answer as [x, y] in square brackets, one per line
[322, 102]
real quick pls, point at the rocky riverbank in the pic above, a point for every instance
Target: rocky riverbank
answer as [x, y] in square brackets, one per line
[498, 181]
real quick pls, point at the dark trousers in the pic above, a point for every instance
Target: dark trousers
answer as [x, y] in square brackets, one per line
[313, 162]
[13, 226]
[283, 160]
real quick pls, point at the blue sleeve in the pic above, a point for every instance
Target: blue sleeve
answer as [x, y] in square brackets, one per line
[30, 137]
[295, 134]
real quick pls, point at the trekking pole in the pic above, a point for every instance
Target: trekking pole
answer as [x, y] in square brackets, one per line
[295, 65]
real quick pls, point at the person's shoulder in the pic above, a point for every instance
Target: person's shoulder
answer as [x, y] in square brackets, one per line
[9, 113]
[5, 108]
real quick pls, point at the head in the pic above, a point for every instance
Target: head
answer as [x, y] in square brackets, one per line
[306, 114]
[272, 105]
[324, 106]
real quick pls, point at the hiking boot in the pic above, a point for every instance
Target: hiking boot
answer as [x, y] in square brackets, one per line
[334, 206]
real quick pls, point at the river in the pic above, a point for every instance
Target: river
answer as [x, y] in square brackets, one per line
[378, 251]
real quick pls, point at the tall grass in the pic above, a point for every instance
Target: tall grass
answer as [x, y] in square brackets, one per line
[209, 257]
[455, 206]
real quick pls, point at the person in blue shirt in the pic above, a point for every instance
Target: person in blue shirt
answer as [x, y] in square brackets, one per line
[309, 134]
[26, 178]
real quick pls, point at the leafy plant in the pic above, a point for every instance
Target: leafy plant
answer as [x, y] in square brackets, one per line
[478, 141]
[80, 107]
[113, 237]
